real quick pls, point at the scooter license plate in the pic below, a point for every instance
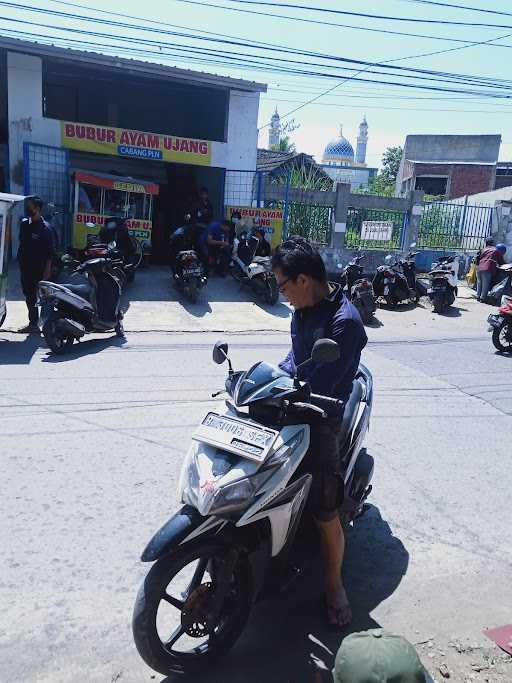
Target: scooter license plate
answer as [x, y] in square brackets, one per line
[192, 271]
[245, 439]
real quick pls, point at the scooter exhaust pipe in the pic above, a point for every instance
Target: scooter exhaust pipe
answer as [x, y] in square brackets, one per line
[70, 327]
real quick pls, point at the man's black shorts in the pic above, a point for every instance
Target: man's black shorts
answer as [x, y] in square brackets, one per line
[322, 461]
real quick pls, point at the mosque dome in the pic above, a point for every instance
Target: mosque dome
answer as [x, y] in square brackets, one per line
[338, 151]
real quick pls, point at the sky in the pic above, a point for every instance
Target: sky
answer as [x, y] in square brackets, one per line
[392, 112]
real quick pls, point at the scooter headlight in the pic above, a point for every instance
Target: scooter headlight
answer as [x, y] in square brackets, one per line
[188, 485]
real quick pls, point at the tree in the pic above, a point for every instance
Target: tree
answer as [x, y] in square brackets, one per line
[284, 145]
[391, 163]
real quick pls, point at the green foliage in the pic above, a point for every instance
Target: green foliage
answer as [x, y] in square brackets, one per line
[391, 163]
[285, 145]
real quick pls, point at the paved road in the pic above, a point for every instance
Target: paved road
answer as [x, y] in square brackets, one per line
[91, 449]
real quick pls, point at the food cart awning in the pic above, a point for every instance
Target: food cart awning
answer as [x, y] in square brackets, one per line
[11, 198]
[117, 182]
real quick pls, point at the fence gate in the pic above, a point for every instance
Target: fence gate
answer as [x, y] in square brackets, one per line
[375, 228]
[46, 173]
[454, 226]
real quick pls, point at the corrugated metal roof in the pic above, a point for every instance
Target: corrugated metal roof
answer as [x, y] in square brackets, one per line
[134, 65]
[268, 160]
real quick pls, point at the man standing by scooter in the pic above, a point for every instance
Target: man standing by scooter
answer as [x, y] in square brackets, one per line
[321, 310]
[35, 256]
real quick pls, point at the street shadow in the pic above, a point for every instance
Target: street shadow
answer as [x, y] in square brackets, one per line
[286, 630]
[14, 352]
[375, 323]
[85, 348]
[453, 312]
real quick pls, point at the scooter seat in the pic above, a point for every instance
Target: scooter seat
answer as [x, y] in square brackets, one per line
[351, 411]
[83, 291]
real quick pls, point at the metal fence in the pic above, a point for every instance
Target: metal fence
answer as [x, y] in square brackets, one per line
[46, 173]
[359, 220]
[454, 226]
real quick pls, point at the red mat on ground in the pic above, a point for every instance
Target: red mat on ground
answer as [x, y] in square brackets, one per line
[502, 636]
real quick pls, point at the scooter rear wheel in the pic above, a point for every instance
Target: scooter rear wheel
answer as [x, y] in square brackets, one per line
[57, 342]
[169, 595]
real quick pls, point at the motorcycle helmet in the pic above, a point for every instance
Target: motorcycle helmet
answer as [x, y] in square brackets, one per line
[390, 260]
[501, 247]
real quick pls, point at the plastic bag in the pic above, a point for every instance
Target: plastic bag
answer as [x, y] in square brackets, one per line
[471, 275]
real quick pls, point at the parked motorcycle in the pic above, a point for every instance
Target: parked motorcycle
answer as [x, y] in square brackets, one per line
[188, 271]
[396, 282]
[88, 302]
[243, 510]
[359, 289]
[253, 270]
[443, 282]
[189, 274]
[503, 288]
[500, 325]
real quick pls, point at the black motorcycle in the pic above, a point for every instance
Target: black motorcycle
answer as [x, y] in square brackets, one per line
[88, 302]
[396, 282]
[189, 274]
[359, 289]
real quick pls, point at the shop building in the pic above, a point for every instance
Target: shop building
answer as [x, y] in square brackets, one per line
[94, 134]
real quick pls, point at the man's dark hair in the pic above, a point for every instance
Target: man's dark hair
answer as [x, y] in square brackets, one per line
[296, 256]
[203, 189]
[36, 200]
[489, 242]
[236, 214]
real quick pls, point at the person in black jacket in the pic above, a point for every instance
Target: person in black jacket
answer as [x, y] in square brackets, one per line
[35, 255]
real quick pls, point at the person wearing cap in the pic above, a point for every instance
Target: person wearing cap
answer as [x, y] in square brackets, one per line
[488, 261]
[377, 656]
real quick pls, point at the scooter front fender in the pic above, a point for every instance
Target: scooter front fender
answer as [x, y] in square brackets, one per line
[174, 531]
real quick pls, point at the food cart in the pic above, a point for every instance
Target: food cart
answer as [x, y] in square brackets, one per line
[7, 201]
[98, 196]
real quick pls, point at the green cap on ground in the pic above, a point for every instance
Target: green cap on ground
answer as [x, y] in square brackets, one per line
[376, 656]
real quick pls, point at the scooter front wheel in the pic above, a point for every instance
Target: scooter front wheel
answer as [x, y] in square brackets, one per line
[502, 337]
[178, 625]
[57, 342]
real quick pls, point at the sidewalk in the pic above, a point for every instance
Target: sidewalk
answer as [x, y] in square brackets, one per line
[153, 304]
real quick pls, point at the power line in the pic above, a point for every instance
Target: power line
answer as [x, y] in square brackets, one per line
[365, 15]
[318, 22]
[457, 78]
[463, 7]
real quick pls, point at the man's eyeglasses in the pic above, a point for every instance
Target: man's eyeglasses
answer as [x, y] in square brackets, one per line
[283, 284]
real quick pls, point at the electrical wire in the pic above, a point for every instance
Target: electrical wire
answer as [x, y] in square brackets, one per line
[458, 78]
[463, 7]
[365, 15]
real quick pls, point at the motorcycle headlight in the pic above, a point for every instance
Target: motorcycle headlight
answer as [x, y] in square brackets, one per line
[188, 485]
[224, 499]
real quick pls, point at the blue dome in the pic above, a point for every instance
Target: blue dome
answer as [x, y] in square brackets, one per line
[340, 148]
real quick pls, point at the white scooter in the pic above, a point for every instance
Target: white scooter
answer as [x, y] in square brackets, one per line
[231, 543]
[253, 270]
[444, 281]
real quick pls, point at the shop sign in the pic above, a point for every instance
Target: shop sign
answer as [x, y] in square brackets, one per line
[379, 231]
[137, 228]
[271, 220]
[112, 184]
[135, 144]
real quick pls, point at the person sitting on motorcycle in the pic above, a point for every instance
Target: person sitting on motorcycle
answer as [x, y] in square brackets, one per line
[488, 261]
[219, 246]
[263, 246]
[184, 238]
[321, 310]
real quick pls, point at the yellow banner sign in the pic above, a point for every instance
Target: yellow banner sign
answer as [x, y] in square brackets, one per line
[137, 228]
[270, 220]
[135, 144]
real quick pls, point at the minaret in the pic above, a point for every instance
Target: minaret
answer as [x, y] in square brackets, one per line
[362, 141]
[274, 132]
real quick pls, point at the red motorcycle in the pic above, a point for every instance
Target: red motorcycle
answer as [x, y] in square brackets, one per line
[501, 325]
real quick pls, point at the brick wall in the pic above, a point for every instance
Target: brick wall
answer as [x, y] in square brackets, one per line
[464, 179]
[467, 180]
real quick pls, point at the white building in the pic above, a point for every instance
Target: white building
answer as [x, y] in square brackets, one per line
[65, 110]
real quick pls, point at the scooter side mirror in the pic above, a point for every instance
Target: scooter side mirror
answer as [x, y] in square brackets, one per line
[90, 225]
[413, 246]
[220, 353]
[325, 351]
